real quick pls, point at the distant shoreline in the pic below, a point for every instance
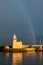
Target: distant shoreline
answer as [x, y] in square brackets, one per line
[3, 49]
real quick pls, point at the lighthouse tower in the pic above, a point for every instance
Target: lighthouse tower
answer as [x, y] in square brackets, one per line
[14, 41]
[16, 44]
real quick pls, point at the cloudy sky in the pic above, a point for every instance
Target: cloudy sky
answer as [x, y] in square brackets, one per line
[15, 16]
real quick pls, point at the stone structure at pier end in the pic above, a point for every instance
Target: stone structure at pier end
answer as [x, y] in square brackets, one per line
[16, 44]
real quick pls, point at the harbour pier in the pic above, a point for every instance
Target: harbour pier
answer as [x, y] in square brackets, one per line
[18, 46]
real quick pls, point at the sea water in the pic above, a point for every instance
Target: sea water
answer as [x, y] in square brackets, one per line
[25, 58]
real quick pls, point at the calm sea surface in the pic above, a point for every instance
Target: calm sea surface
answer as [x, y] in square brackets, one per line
[27, 58]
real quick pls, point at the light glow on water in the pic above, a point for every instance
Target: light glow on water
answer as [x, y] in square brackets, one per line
[26, 58]
[16, 58]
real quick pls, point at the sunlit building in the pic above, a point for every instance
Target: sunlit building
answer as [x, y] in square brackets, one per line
[7, 47]
[16, 44]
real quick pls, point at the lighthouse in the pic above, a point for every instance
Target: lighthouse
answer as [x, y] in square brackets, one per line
[14, 41]
[16, 44]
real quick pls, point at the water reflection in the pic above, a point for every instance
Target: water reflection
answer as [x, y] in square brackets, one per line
[6, 55]
[31, 53]
[27, 58]
[6, 58]
[40, 55]
[16, 58]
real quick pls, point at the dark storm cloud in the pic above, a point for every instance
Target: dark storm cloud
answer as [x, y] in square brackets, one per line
[13, 19]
